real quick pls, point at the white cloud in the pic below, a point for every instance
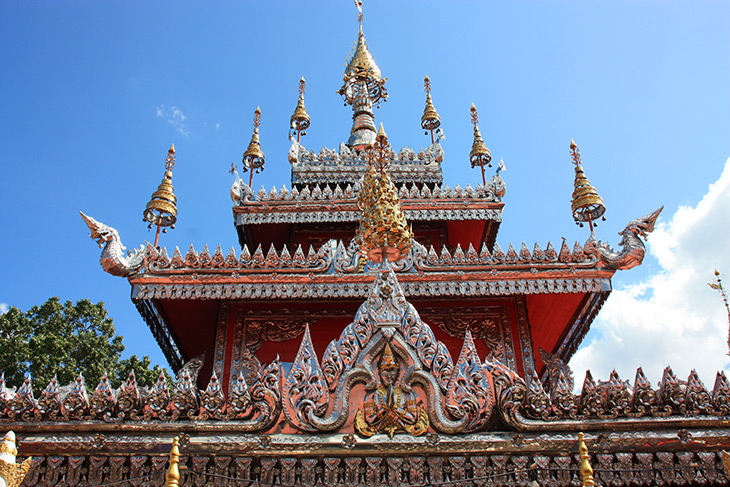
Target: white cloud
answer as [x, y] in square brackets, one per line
[175, 117]
[218, 126]
[673, 317]
[3, 308]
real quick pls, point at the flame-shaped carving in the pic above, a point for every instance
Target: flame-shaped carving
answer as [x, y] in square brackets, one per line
[470, 390]
[305, 389]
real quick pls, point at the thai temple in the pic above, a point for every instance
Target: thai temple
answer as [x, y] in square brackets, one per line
[369, 330]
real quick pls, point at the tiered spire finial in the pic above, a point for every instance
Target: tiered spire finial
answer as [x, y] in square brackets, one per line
[586, 204]
[479, 155]
[430, 120]
[300, 119]
[253, 158]
[586, 471]
[172, 476]
[161, 210]
[362, 88]
[383, 229]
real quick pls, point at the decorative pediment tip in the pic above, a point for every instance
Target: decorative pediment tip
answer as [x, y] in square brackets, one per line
[386, 303]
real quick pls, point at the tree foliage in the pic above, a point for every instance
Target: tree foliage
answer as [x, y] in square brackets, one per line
[64, 339]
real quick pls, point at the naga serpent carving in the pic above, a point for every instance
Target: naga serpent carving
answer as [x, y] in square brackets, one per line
[632, 253]
[115, 259]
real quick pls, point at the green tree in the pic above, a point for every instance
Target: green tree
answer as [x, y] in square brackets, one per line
[64, 339]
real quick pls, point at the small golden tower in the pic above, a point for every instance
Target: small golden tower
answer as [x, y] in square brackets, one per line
[161, 211]
[300, 119]
[172, 476]
[586, 471]
[587, 205]
[383, 229]
[479, 155]
[430, 120]
[253, 158]
[12, 473]
[363, 87]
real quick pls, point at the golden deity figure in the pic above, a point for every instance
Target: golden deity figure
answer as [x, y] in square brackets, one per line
[390, 408]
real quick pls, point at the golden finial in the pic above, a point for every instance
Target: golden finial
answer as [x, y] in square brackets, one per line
[253, 158]
[172, 477]
[430, 119]
[383, 227]
[718, 287]
[586, 204]
[161, 211]
[479, 155]
[586, 471]
[12, 473]
[299, 121]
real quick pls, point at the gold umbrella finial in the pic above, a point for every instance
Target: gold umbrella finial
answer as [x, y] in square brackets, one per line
[172, 477]
[586, 471]
[479, 155]
[299, 121]
[12, 473]
[430, 120]
[253, 158]
[586, 204]
[161, 211]
[383, 230]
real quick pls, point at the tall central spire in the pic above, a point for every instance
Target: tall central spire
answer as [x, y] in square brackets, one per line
[362, 88]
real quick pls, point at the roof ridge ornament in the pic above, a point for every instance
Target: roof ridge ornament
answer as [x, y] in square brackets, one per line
[363, 87]
[383, 228]
[430, 120]
[299, 121]
[586, 204]
[253, 158]
[479, 155]
[161, 210]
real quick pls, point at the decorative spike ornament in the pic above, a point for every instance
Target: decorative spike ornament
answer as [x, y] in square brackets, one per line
[363, 87]
[253, 158]
[430, 120]
[10, 472]
[586, 471]
[586, 204]
[172, 476]
[161, 211]
[383, 227]
[479, 155]
[718, 287]
[299, 121]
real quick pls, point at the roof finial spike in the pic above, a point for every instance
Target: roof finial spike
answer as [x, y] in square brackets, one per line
[479, 155]
[358, 4]
[586, 471]
[299, 121]
[161, 210]
[253, 158]
[586, 204]
[430, 120]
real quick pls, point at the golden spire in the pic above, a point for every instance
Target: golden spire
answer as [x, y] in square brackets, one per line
[172, 477]
[162, 207]
[383, 227]
[12, 473]
[718, 287]
[586, 471]
[479, 155]
[430, 119]
[586, 204]
[362, 62]
[253, 158]
[362, 88]
[300, 119]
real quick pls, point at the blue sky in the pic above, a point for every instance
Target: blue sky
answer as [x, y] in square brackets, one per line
[95, 92]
